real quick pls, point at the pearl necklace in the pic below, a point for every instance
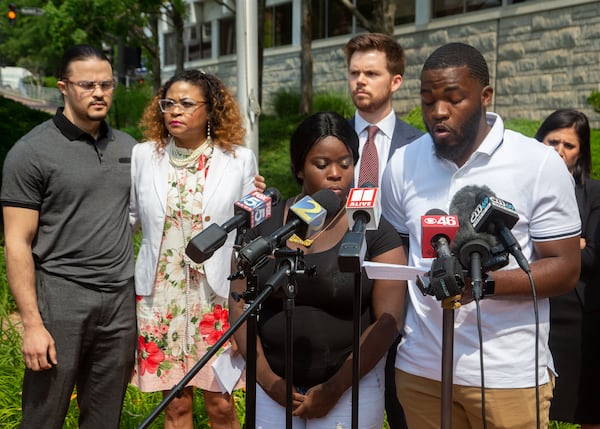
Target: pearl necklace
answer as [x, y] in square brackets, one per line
[181, 157]
[181, 160]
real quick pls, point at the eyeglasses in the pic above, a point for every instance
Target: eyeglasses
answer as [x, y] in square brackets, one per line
[88, 85]
[186, 106]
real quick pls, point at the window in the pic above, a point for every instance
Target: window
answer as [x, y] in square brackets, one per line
[169, 48]
[454, 7]
[277, 25]
[405, 12]
[329, 19]
[227, 36]
[198, 41]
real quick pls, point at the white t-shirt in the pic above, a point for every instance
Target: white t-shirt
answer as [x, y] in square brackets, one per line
[536, 181]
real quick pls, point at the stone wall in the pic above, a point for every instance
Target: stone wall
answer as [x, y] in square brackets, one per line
[539, 60]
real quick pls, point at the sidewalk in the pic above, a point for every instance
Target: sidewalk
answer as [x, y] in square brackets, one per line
[29, 102]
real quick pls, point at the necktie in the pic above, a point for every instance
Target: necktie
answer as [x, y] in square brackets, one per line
[369, 161]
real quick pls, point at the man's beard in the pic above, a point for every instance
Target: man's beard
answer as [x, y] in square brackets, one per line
[465, 138]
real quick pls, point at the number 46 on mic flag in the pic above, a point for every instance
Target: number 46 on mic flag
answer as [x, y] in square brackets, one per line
[433, 226]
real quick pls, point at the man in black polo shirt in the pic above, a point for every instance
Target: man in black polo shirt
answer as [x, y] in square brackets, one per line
[69, 254]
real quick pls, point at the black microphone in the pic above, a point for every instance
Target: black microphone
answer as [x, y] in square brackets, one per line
[473, 249]
[250, 211]
[497, 216]
[305, 217]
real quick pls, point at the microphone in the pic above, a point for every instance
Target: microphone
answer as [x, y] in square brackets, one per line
[250, 211]
[363, 208]
[305, 218]
[474, 249]
[445, 275]
[497, 216]
[438, 229]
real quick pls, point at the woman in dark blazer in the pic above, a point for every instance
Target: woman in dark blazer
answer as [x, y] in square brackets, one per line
[575, 317]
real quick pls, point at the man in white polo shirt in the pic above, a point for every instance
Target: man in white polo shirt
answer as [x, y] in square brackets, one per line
[468, 146]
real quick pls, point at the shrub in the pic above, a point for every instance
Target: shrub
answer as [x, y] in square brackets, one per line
[286, 103]
[415, 118]
[127, 108]
[594, 101]
[333, 102]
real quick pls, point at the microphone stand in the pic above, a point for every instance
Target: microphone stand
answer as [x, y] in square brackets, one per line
[350, 257]
[446, 284]
[448, 306]
[249, 314]
[356, 347]
[287, 269]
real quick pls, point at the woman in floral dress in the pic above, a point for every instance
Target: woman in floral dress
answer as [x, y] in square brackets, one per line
[186, 177]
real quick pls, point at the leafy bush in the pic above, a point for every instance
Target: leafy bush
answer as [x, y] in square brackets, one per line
[50, 82]
[594, 100]
[128, 106]
[287, 103]
[333, 102]
[415, 118]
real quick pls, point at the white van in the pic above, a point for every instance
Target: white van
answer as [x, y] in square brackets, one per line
[12, 77]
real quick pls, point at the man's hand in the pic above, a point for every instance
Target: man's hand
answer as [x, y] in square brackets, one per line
[38, 349]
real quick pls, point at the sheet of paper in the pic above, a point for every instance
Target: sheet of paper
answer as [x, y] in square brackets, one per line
[378, 270]
[228, 368]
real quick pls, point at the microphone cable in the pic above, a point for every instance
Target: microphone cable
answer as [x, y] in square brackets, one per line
[477, 297]
[537, 348]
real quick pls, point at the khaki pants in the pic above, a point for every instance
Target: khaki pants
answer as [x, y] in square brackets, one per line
[504, 408]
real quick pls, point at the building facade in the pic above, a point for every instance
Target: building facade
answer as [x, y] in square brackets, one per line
[542, 54]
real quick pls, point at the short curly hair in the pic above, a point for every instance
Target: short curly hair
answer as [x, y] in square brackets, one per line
[459, 55]
[224, 115]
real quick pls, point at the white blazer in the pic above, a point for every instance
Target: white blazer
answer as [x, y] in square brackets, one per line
[231, 176]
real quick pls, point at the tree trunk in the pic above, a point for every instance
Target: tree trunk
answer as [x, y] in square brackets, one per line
[179, 45]
[384, 13]
[156, 69]
[306, 60]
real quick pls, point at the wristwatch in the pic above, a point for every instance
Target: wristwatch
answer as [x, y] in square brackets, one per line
[489, 285]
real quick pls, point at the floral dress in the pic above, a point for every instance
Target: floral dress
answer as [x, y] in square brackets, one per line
[183, 317]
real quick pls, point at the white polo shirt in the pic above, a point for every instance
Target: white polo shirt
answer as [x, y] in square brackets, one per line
[536, 181]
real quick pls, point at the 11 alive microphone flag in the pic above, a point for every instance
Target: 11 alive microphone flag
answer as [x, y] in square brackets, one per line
[365, 199]
[257, 205]
[435, 225]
